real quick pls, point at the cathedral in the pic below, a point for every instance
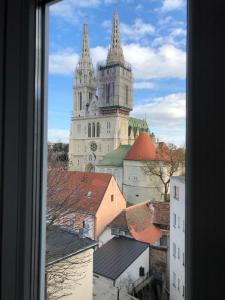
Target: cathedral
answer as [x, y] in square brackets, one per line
[102, 102]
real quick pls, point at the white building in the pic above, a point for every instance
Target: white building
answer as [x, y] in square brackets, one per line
[102, 102]
[177, 238]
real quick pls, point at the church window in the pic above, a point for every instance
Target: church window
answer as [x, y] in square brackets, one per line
[113, 88]
[80, 98]
[107, 92]
[98, 129]
[126, 94]
[93, 129]
[89, 129]
[90, 96]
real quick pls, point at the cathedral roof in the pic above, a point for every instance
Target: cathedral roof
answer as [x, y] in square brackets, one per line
[115, 158]
[79, 191]
[142, 149]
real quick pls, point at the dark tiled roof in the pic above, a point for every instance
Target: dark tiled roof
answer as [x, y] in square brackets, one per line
[61, 243]
[113, 258]
[80, 191]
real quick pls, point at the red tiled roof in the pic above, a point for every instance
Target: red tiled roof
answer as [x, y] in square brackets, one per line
[143, 219]
[83, 191]
[142, 149]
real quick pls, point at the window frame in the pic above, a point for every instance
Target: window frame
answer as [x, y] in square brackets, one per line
[20, 224]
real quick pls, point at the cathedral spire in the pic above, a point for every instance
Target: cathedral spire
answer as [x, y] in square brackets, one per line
[85, 44]
[115, 54]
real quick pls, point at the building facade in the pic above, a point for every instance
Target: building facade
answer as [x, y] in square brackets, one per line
[177, 238]
[102, 101]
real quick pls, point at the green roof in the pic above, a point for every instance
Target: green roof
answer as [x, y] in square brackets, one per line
[116, 157]
[138, 123]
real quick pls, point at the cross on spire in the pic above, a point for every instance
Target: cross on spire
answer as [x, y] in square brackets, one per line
[115, 54]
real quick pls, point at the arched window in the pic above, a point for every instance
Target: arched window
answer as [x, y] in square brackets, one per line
[107, 92]
[126, 87]
[89, 129]
[80, 101]
[93, 129]
[98, 129]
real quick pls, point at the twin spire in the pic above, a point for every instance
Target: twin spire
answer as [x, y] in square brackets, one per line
[115, 53]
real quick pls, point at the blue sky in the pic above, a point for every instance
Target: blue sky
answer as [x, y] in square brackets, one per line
[153, 34]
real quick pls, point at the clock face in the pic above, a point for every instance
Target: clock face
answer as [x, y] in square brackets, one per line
[93, 146]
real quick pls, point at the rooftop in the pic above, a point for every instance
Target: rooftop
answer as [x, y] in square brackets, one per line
[82, 191]
[116, 157]
[144, 220]
[114, 257]
[61, 244]
[142, 149]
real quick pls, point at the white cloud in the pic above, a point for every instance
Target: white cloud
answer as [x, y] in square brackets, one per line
[63, 63]
[169, 5]
[58, 135]
[144, 85]
[166, 116]
[165, 62]
[136, 31]
[70, 9]
[176, 37]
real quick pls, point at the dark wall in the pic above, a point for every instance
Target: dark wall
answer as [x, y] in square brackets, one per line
[19, 152]
[205, 225]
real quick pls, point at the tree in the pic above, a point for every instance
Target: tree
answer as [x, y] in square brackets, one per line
[63, 276]
[58, 155]
[169, 161]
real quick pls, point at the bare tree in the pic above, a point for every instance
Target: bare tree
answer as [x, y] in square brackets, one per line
[61, 211]
[170, 161]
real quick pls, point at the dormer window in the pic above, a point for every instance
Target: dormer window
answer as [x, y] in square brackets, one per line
[89, 194]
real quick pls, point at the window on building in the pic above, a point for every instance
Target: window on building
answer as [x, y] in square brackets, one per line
[174, 250]
[174, 220]
[126, 94]
[90, 97]
[80, 103]
[112, 198]
[183, 293]
[93, 129]
[183, 259]
[178, 222]
[89, 129]
[107, 93]
[178, 284]
[178, 253]
[174, 279]
[176, 192]
[98, 129]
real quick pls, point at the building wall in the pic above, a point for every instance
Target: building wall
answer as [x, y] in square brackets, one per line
[111, 136]
[177, 238]
[139, 187]
[105, 236]
[78, 283]
[117, 172]
[108, 209]
[131, 274]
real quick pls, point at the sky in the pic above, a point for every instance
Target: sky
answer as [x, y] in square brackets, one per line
[153, 35]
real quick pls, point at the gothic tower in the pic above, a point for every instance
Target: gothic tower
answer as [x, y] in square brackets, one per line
[85, 83]
[100, 123]
[115, 83]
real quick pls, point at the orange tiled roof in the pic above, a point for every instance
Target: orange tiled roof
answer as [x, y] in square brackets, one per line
[142, 220]
[83, 191]
[142, 149]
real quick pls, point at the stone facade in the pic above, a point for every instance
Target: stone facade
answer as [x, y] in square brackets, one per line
[101, 105]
